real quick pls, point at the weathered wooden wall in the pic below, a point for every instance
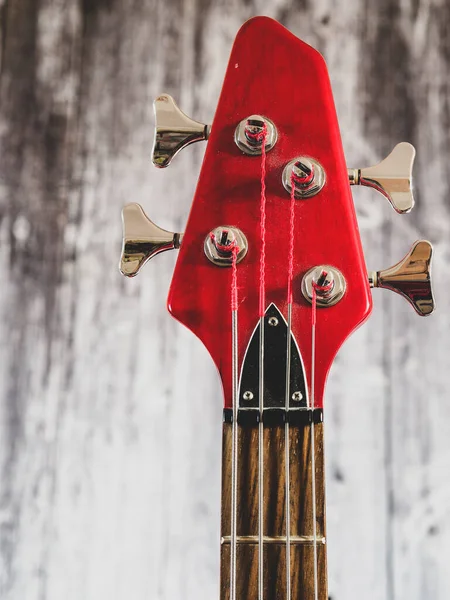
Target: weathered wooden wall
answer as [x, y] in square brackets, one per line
[109, 483]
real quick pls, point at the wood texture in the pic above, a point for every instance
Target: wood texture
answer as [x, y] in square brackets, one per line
[110, 477]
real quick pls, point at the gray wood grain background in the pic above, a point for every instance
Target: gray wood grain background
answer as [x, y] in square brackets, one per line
[109, 484]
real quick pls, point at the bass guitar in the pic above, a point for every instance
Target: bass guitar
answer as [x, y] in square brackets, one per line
[271, 277]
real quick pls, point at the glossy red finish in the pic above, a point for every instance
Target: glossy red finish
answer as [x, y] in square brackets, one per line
[272, 73]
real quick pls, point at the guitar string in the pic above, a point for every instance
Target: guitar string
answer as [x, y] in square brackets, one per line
[262, 304]
[287, 436]
[312, 429]
[234, 426]
[235, 380]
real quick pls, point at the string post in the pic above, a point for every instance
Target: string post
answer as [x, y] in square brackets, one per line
[254, 130]
[303, 173]
[225, 244]
[255, 134]
[303, 176]
[224, 240]
[325, 285]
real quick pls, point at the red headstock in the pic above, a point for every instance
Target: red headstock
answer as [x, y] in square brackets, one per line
[274, 74]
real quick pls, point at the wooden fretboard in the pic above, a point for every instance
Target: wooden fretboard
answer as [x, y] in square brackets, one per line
[301, 513]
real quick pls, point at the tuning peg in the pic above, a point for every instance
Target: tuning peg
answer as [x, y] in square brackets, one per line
[142, 240]
[411, 278]
[392, 177]
[173, 131]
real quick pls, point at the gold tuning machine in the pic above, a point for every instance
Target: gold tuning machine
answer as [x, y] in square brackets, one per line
[411, 278]
[392, 177]
[174, 131]
[142, 240]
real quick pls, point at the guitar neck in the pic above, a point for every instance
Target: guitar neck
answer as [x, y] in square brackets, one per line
[306, 544]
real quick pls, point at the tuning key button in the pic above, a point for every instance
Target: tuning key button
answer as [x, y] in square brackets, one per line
[411, 278]
[142, 240]
[173, 131]
[392, 177]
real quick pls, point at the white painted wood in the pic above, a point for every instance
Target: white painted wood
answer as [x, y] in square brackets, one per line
[109, 462]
